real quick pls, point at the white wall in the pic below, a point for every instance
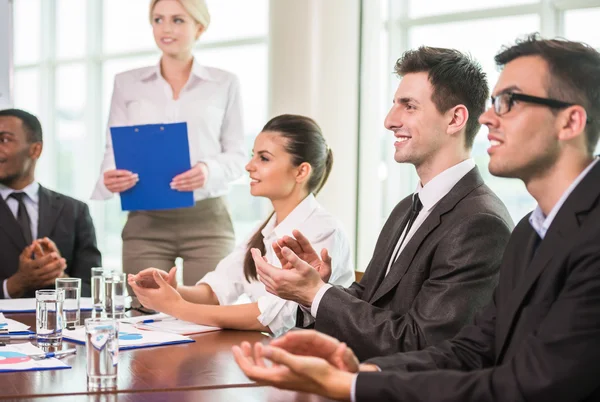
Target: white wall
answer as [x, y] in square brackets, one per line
[5, 53]
[314, 71]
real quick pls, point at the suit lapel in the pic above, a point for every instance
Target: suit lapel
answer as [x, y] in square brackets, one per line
[49, 210]
[557, 243]
[9, 224]
[378, 269]
[467, 184]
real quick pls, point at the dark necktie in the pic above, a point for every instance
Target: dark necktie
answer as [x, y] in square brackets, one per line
[23, 217]
[414, 212]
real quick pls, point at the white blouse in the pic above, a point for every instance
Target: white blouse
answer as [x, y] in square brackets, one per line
[320, 228]
[210, 103]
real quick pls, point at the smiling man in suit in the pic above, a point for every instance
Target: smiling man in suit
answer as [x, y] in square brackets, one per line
[539, 338]
[436, 260]
[44, 235]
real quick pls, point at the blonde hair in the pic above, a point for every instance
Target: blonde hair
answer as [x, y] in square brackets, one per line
[197, 9]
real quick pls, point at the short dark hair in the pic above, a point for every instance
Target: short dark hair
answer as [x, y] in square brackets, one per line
[574, 74]
[456, 79]
[31, 124]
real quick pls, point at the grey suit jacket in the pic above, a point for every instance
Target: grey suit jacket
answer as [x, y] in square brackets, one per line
[538, 339]
[64, 220]
[446, 272]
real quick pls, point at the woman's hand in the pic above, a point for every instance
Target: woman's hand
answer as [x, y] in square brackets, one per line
[118, 180]
[145, 278]
[164, 298]
[191, 180]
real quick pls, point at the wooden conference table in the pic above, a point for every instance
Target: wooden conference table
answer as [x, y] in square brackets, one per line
[204, 370]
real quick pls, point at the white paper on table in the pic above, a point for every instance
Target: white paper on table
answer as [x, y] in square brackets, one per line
[131, 337]
[166, 323]
[12, 325]
[28, 305]
[16, 358]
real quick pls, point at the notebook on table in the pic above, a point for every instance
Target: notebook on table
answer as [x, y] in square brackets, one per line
[166, 323]
[23, 357]
[131, 337]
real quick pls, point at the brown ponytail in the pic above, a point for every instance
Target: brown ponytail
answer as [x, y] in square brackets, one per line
[327, 171]
[256, 241]
[305, 143]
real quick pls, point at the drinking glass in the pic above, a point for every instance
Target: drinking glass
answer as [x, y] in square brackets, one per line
[102, 352]
[49, 316]
[72, 288]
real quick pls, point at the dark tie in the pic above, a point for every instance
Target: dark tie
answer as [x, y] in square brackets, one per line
[414, 212]
[23, 217]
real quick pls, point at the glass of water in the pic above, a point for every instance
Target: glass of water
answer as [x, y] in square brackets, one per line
[114, 295]
[102, 352]
[98, 275]
[72, 288]
[49, 316]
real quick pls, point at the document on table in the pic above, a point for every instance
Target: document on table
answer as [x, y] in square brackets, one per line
[13, 327]
[166, 323]
[156, 153]
[131, 337]
[28, 305]
[18, 357]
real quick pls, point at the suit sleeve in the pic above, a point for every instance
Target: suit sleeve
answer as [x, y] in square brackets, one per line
[86, 254]
[463, 274]
[558, 362]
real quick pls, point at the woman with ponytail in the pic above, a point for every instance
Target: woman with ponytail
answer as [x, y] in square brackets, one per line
[290, 165]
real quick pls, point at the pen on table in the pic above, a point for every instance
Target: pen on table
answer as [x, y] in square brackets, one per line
[59, 354]
[151, 320]
[9, 337]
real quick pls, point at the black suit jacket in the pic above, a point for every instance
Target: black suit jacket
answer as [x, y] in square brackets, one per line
[446, 272]
[539, 338]
[63, 219]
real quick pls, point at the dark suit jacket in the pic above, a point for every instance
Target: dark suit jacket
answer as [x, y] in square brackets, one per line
[539, 338]
[446, 272]
[63, 219]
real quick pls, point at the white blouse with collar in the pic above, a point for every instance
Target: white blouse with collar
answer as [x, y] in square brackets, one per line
[210, 103]
[320, 228]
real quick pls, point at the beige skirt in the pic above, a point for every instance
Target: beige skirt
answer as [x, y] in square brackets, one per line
[201, 235]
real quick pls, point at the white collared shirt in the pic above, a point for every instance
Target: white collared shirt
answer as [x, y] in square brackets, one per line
[31, 201]
[430, 194]
[539, 221]
[210, 104]
[320, 228]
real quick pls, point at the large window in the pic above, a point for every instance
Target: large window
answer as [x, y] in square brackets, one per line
[479, 28]
[67, 53]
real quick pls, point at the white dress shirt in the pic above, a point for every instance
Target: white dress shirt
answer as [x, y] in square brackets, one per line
[320, 228]
[31, 201]
[430, 194]
[539, 221]
[210, 104]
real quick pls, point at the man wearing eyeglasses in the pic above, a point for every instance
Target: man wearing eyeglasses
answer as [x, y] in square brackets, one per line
[539, 338]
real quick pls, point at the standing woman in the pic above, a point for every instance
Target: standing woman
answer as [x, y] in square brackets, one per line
[180, 89]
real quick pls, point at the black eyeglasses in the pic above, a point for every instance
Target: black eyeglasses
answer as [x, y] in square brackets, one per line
[504, 102]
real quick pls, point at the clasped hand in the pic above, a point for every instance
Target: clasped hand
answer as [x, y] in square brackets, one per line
[155, 289]
[302, 360]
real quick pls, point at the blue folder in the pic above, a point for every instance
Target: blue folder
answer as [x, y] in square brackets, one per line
[157, 153]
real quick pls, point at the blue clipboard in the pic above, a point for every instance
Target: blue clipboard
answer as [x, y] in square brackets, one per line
[157, 153]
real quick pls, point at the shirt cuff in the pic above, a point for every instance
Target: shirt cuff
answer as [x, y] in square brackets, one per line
[5, 289]
[216, 175]
[315, 303]
[353, 389]
[277, 314]
[307, 317]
